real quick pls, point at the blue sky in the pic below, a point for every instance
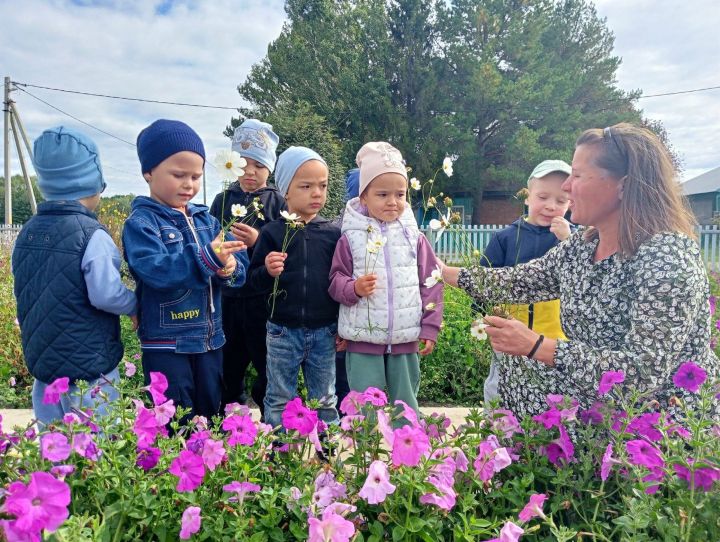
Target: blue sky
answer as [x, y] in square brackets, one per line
[199, 51]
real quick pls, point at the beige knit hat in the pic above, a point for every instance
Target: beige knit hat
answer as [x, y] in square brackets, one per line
[376, 158]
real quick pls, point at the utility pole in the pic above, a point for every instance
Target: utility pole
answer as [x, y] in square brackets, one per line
[6, 151]
[13, 122]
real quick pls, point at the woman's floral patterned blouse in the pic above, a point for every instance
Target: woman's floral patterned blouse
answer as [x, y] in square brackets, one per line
[644, 315]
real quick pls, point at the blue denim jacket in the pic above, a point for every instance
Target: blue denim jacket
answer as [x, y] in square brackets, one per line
[175, 269]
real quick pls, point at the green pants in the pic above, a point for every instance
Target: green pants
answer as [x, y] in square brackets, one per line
[400, 373]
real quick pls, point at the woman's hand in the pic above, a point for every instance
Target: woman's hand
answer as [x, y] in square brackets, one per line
[512, 337]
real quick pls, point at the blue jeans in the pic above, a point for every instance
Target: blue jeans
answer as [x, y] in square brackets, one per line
[73, 401]
[288, 349]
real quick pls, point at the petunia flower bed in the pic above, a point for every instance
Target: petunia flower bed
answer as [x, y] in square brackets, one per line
[625, 469]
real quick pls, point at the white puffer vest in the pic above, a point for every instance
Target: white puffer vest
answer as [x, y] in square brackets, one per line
[395, 306]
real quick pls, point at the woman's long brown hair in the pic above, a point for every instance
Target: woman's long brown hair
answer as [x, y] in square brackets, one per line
[652, 199]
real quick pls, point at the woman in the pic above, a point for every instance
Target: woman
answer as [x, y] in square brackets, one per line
[633, 288]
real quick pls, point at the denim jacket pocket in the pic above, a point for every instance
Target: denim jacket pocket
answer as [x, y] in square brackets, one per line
[187, 311]
[171, 238]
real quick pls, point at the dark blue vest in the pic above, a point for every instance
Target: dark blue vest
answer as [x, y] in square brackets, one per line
[62, 333]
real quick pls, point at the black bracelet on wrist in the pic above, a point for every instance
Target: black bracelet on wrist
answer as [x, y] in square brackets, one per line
[535, 348]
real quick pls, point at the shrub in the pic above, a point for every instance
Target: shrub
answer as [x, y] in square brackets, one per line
[617, 471]
[15, 382]
[455, 372]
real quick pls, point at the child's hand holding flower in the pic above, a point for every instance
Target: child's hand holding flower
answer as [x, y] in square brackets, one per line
[560, 227]
[229, 268]
[245, 233]
[365, 285]
[225, 249]
[275, 263]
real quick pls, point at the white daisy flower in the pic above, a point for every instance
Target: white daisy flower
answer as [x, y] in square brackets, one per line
[229, 165]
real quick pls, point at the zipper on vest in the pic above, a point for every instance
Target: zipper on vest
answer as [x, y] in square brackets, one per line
[388, 273]
[197, 242]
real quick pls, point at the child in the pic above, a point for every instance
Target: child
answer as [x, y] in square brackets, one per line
[67, 280]
[302, 329]
[175, 253]
[386, 308]
[527, 239]
[245, 309]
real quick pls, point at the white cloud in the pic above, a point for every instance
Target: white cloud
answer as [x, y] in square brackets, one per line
[667, 46]
[197, 52]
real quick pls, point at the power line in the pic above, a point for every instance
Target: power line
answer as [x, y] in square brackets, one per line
[75, 118]
[125, 97]
[678, 92]
[206, 106]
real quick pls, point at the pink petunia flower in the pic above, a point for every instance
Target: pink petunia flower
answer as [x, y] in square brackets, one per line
[444, 497]
[492, 458]
[190, 523]
[54, 447]
[164, 412]
[243, 430]
[505, 421]
[383, 426]
[213, 453]
[332, 528]
[642, 453]
[40, 505]
[147, 457]
[644, 425]
[408, 413]
[409, 445]
[240, 489]
[377, 485]
[509, 533]
[157, 388]
[375, 397]
[327, 490]
[593, 415]
[85, 446]
[698, 478]
[711, 301]
[130, 369]
[609, 379]
[146, 427]
[560, 450]
[352, 402]
[61, 471]
[607, 462]
[534, 508]
[298, 417]
[52, 393]
[689, 376]
[189, 469]
[549, 418]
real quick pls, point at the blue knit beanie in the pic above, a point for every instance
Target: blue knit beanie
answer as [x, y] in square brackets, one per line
[68, 165]
[352, 184]
[162, 139]
[256, 140]
[289, 162]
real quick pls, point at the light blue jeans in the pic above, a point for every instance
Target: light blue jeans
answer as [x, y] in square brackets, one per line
[289, 349]
[73, 401]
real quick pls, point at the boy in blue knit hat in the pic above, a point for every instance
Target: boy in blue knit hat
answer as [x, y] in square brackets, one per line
[302, 328]
[179, 261]
[245, 309]
[67, 281]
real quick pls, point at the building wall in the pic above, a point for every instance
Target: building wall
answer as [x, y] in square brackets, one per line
[703, 206]
[499, 210]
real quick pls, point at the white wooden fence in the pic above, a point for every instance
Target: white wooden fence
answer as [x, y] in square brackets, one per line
[455, 244]
[8, 234]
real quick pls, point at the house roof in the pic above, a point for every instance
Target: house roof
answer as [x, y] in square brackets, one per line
[707, 182]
